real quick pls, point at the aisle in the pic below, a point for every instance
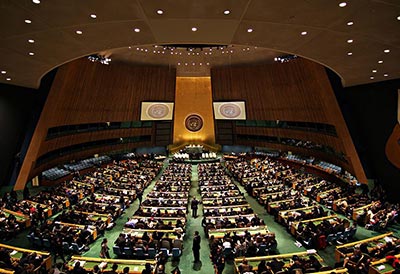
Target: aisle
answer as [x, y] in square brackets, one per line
[186, 264]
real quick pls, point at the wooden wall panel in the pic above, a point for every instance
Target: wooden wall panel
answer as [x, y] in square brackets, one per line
[85, 92]
[298, 90]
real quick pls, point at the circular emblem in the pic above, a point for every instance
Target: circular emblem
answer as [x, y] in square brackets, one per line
[229, 110]
[157, 111]
[194, 122]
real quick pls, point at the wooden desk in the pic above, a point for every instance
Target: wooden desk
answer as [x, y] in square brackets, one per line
[240, 231]
[387, 268]
[46, 209]
[214, 219]
[341, 251]
[316, 221]
[23, 220]
[79, 227]
[16, 253]
[286, 258]
[283, 214]
[359, 211]
[86, 186]
[168, 233]
[165, 220]
[94, 216]
[135, 266]
[322, 195]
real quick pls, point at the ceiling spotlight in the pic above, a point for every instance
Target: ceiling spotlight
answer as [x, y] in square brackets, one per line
[250, 30]
[93, 16]
[386, 75]
[3, 72]
[31, 53]
[374, 71]
[160, 12]
[349, 53]
[342, 4]
[136, 30]
[303, 33]
[350, 23]
[78, 32]
[31, 41]
[372, 77]
[8, 79]
[398, 17]
[226, 12]
[386, 51]
[28, 21]
[36, 1]
[380, 62]
[194, 29]
[350, 41]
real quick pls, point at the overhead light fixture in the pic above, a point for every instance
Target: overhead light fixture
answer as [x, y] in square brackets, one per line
[78, 32]
[99, 58]
[374, 71]
[136, 30]
[160, 12]
[249, 30]
[31, 41]
[303, 33]
[372, 77]
[285, 58]
[386, 51]
[31, 53]
[350, 41]
[398, 17]
[93, 16]
[226, 12]
[194, 29]
[36, 1]
[342, 4]
[8, 79]
[350, 23]
[3, 72]
[28, 21]
[380, 62]
[349, 53]
[385, 74]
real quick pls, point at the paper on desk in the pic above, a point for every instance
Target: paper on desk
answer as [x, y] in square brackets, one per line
[381, 267]
[13, 252]
[102, 265]
[136, 268]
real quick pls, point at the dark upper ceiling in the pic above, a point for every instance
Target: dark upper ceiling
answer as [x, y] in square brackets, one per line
[276, 27]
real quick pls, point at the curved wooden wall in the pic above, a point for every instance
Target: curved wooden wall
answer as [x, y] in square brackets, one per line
[298, 90]
[85, 92]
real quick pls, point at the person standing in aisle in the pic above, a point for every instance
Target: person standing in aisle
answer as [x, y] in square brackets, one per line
[195, 205]
[196, 246]
[104, 251]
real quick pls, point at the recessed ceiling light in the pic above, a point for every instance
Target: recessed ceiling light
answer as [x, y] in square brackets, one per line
[31, 41]
[385, 74]
[249, 30]
[160, 12]
[28, 21]
[8, 79]
[93, 16]
[374, 71]
[194, 29]
[342, 4]
[78, 32]
[31, 53]
[372, 77]
[36, 1]
[136, 30]
[386, 51]
[350, 41]
[3, 72]
[226, 12]
[349, 53]
[380, 62]
[398, 17]
[303, 33]
[350, 23]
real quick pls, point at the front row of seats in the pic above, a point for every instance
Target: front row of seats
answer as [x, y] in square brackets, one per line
[151, 253]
